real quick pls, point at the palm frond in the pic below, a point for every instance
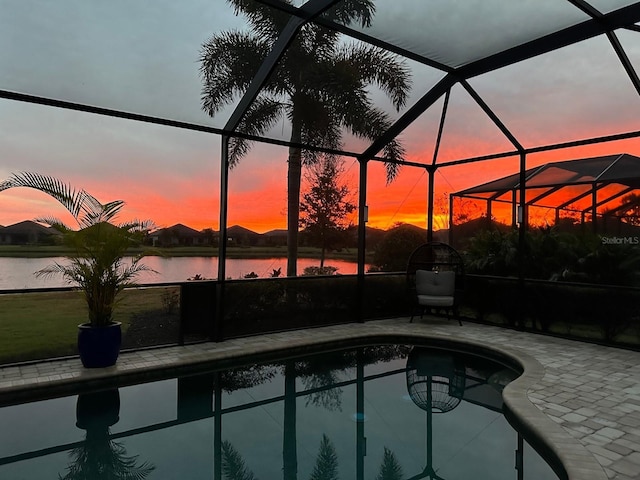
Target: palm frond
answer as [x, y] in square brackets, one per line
[330, 93]
[371, 123]
[228, 63]
[96, 265]
[233, 465]
[55, 269]
[320, 127]
[350, 11]
[103, 458]
[315, 42]
[265, 21]
[74, 200]
[137, 226]
[394, 152]
[110, 210]
[331, 398]
[53, 222]
[125, 274]
[263, 113]
[377, 66]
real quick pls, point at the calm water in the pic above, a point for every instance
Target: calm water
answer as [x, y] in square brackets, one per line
[369, 407]
[19, 272]
[362, 410]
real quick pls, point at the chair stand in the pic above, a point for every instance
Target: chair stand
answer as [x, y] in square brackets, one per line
[422, 310]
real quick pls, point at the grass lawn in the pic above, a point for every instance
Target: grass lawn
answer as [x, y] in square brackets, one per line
[41, 325]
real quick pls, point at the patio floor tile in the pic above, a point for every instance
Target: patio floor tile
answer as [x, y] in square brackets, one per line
[584, 397]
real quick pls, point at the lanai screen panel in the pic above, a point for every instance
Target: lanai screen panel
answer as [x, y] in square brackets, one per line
[568, 195]
[128, 55]
[300, 69]
[455, 33]
[606, 6]
[569, 185]
[598, 169]
[140, 57]
[624, 170]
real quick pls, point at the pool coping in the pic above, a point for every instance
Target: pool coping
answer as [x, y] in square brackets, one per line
[558, 446]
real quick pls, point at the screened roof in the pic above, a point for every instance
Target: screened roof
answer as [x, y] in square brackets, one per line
[128, 59]
[623, 169]
[570, 184]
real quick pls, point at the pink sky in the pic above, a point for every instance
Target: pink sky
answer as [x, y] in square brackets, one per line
[257, 191]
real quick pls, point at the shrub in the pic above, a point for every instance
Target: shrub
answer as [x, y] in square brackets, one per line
[170, 300]
[313, 271]
[393, 251]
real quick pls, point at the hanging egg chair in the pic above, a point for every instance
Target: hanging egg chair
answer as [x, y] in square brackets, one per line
[435, 380]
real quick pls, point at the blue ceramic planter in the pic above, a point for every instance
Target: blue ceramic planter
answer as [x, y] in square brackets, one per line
[98, 410]
[99, 347]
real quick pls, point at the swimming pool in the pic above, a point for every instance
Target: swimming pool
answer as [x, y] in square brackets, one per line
[387, 411]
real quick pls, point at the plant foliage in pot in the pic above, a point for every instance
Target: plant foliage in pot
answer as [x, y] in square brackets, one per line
[98, 263]
[99, 456]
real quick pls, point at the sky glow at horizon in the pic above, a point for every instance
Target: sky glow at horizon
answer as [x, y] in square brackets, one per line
[172, 175]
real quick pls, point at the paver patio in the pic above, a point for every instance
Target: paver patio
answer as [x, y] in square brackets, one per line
[583, 398]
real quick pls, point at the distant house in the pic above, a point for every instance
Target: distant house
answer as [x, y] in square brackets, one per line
[274, 238]
[28, 233]
[241, 236]
[179, 235]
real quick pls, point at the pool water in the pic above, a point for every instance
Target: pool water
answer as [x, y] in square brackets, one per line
[380, 412]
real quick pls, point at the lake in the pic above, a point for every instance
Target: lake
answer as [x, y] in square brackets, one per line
[16, 273]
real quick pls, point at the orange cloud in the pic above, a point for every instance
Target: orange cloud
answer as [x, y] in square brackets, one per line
[257, 189]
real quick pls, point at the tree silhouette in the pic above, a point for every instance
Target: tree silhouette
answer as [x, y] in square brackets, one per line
[393, 251]
[324, 208]
[326, 467]
[329, 398]
[320, 86]
[390, 468]
[629, 209]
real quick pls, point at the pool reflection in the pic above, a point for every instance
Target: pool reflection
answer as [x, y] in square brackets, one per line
[98, 456]
[389, 411]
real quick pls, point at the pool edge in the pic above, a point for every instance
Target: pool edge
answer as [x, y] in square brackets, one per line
[558, 445]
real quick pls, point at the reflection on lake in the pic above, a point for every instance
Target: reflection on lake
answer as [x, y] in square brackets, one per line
[18, 273]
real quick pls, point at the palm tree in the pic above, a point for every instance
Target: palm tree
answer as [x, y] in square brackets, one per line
[96, 262]
[320, 86]
[99, 457]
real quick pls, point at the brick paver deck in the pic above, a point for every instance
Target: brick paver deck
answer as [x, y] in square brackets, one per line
[583, 399]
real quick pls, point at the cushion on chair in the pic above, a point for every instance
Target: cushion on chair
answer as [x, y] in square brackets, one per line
[435, 283]
[435, 289]
[435, 300]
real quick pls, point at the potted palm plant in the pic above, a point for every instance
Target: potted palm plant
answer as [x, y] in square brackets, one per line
[98, 263]
[99, 456]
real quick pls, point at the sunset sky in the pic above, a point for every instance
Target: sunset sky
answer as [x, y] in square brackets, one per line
[172, 175]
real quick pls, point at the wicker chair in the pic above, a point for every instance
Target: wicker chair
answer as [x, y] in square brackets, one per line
[435, 276]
